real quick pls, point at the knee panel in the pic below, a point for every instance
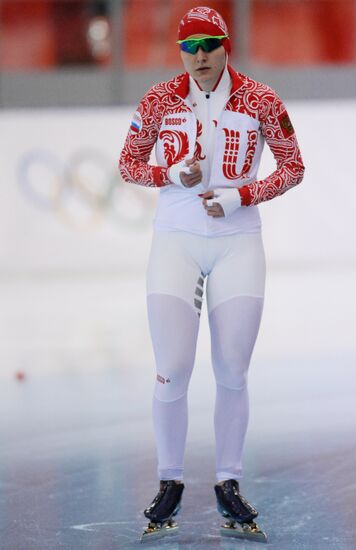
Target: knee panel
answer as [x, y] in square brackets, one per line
[172, 384]
[230, 372]
[234, 328]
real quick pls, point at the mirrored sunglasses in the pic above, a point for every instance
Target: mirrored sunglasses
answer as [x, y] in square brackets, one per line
[208, 44]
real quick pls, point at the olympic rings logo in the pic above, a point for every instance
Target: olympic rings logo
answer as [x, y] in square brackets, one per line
[84, 191]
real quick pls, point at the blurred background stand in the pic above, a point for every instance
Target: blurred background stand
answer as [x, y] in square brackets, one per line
[103, 52]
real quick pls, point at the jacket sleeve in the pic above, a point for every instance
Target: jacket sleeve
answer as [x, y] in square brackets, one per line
[141, 138]
[279, 134]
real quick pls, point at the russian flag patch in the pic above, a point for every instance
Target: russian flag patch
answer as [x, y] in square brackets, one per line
[136, 123]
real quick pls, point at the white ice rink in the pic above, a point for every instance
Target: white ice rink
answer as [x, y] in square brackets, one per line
[74, 242]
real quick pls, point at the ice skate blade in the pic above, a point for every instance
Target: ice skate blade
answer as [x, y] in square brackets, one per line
[158, 530]
[249, 531]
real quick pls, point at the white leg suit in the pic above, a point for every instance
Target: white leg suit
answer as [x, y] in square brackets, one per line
[234, 266]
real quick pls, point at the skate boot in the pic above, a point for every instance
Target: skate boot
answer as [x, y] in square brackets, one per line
[239, 513]
[162, 509]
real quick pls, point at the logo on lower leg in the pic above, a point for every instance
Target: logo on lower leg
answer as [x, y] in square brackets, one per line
[163, 380]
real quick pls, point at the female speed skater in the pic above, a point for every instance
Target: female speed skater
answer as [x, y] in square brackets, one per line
[208, 126]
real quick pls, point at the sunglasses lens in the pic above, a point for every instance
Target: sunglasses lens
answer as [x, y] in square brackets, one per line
[190, 46]
[207, 44]
[212, 44]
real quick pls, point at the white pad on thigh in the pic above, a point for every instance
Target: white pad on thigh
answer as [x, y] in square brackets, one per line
[239, 271]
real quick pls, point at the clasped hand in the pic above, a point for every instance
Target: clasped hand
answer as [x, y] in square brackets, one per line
[195, 177]
[187, 173]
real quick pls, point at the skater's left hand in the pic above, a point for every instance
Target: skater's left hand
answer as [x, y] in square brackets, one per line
[226, 202]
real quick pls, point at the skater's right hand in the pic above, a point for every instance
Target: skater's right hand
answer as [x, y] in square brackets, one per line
[195, 176]
[186, 173]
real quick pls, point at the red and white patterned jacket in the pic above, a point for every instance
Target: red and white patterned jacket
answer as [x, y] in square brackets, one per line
[253, 114]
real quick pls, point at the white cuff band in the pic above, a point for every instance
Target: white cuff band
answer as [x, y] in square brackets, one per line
[229, 200]
[175, 170]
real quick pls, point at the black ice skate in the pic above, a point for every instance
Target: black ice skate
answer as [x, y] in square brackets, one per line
[239, 513]
[162, 509]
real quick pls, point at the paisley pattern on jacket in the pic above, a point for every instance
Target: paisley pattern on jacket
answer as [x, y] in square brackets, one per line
[163, 109]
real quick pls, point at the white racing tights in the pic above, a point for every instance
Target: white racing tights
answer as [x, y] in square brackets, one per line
[234, 266]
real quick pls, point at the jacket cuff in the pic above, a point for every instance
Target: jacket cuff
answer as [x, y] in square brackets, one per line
[245, 195]
[160, 176]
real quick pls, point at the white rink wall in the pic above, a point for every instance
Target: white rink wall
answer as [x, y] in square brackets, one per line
[74, 242]
[58, 170]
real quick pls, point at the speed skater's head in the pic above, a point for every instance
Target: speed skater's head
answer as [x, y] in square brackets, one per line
[205, 22]
[204, 43]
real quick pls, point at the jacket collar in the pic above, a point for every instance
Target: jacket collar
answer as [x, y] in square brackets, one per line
[236, 80]
[182, 89]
